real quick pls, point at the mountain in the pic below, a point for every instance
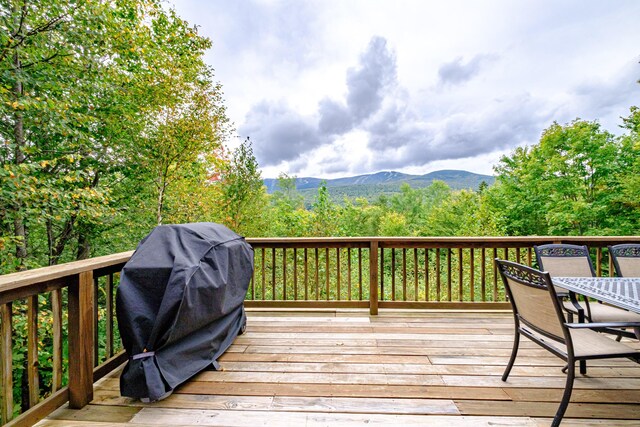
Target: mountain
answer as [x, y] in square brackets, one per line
[385, 182]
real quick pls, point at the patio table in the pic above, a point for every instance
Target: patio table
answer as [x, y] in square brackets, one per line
[623, 292]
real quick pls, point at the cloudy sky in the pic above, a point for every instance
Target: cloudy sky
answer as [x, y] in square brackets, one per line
[333, 88]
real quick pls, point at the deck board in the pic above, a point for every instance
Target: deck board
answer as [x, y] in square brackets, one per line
[344, 368]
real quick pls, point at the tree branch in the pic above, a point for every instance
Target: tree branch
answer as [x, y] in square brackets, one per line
[44, 27]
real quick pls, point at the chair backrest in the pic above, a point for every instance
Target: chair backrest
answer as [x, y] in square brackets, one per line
[533, 299]
[626, 259]
[562, 260]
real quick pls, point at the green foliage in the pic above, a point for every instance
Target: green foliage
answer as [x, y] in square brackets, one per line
[393, 224]
[576, 181]
[240, 195]
[101, 103]
[463, 213]
[288, 218]
[111, 123]
[324, 214]
[629, 197]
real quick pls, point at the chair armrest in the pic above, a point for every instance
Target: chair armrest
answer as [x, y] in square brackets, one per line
[603, 325]
[579, 310]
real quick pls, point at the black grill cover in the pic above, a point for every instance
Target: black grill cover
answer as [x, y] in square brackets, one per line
[180, 304]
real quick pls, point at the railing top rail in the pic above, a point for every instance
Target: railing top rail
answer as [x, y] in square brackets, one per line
[22, 280]
[601, 240]
[10, 282]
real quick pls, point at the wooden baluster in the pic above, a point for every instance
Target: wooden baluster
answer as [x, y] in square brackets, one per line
[6, 362]
[404, 274]
[317, 275]
[495, 276]
[273, 274]
[32, 350]
[338, 273]
[426, 274]
[81, 298]
[306, 274]
[393, 274]
[373, 277]
[326, 272]
[109, 307]
[472, 285]
[284, 274]
[382, 296]
[56, 312]
[359, 274]
[96, 350]
[483, 274]
[264, 285]
[449, 274]
[599, 263]
[415, 274]
[438, 274]
[518, 255]
[529, 257]
[460, 276]
[253, 281]
[611, 268]
[349, 274]
[295, 274]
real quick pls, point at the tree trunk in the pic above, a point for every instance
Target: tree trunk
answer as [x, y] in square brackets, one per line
[61, 240]
[84, 246]
[160, 204]
[19, 229]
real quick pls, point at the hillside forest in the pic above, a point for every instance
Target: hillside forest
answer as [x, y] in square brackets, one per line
[112, 123]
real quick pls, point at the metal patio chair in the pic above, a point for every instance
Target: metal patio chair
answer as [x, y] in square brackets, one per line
[538, 315]
[564, 260]
[626, 259]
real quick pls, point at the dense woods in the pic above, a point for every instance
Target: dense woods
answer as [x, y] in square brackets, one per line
[111, 123]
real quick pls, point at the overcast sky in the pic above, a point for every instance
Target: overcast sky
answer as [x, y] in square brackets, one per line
[333, 88]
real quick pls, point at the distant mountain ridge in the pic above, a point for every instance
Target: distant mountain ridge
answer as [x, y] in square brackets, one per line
[385, 182]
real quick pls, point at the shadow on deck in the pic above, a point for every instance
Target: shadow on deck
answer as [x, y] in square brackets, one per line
[346, 368]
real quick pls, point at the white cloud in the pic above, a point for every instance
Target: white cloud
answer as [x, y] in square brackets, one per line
[330, 87]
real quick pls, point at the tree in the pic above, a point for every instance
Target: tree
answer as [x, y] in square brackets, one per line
[99, 100]
[463, 213]
[240, 194]
[568, 184]
[393, 224]
[288, 216]
[324, 220]
[629, 198]
[359, 218]
[45, 55]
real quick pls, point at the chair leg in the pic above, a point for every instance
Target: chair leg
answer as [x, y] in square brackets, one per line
[568, 388]
[514, 353]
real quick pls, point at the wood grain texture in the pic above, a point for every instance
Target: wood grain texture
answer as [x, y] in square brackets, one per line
[81, 296]
[345, 368]
[32, 351]
[6, 362]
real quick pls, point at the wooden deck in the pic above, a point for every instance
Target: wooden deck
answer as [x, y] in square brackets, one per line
[405, 368]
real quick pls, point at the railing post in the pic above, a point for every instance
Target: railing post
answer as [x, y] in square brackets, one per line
[373, 277]
[81, 296]
[6, 362]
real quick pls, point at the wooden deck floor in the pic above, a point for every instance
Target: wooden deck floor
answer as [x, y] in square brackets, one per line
[345, 368]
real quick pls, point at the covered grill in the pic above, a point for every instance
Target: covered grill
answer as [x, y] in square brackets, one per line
[180, 304]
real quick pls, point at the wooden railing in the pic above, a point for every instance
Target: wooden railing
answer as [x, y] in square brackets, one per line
[395, 272]
[38, 306]
[77, 297]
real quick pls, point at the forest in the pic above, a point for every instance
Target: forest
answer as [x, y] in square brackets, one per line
[112, 123]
